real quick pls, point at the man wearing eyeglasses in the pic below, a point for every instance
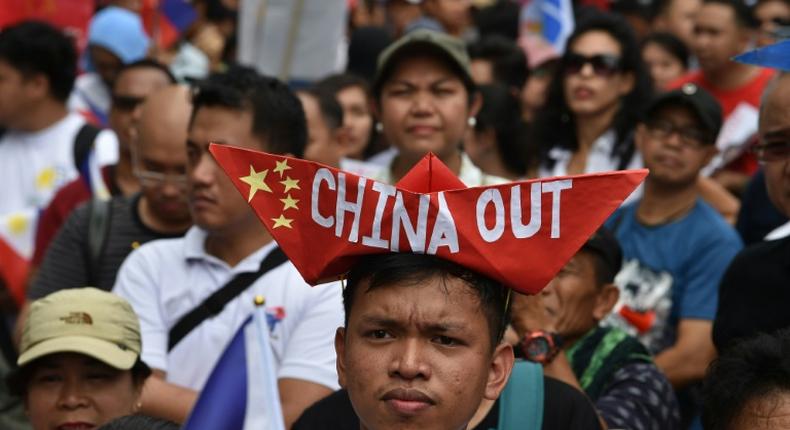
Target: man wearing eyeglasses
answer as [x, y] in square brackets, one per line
[754, 291]
[98, 236]
[675, 246]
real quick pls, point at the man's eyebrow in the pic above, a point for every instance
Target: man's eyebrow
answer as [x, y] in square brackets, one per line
[433, 327]
[777, 133]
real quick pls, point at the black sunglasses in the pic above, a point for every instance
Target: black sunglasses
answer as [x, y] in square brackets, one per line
[126, 103]
[602, 64]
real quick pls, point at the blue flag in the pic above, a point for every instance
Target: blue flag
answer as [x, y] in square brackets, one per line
[775, 56]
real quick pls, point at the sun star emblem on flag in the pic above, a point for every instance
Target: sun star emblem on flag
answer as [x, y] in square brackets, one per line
[290, 188]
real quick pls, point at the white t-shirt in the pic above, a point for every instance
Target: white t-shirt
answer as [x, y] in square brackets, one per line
[165, 279]
[33, 166]
[90, 97]
[469, 174]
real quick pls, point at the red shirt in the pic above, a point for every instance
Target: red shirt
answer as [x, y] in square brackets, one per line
[749, 93]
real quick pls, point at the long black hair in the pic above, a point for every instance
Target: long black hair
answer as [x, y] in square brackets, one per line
[555, 123]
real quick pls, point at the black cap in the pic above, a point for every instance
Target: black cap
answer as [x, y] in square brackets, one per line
[603, 243]
[700, 101]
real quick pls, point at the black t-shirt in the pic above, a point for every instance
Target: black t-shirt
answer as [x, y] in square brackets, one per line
[754, 293]
[564, 407]
[67, 262]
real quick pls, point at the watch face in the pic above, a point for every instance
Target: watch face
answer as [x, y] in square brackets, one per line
[537, 349]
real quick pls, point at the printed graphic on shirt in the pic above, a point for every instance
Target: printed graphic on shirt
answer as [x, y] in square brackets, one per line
[274, 315]
[644, 305]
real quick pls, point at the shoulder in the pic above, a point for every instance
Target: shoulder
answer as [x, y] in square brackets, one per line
[692, 77]
[761, 254]
[566, 407]
[710, 225]
[332, 412]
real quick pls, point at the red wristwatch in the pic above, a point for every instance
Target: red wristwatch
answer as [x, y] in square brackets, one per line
[541, 347]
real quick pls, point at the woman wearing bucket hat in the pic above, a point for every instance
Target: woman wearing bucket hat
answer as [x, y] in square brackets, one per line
[79, 365]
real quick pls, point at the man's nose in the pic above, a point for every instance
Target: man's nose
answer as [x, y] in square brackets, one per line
[409, 362]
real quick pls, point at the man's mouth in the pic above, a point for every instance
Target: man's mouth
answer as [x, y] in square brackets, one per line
[76, 425]
[407, 401]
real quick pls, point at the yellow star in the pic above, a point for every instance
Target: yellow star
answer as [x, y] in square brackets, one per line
[256, 182]
[290, 184]
[282, 221]
[289, 202]
[282, 166]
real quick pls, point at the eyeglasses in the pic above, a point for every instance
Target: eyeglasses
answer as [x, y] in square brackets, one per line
[151, 178]
[767, 152]
[603, 64]
[690, 137]
[126, 103]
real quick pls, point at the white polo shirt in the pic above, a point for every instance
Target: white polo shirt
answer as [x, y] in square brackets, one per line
[165, 279]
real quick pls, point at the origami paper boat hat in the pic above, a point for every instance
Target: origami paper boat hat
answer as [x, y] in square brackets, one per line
[520, 234]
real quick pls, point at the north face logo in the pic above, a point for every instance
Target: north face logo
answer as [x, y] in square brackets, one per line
[77, 318]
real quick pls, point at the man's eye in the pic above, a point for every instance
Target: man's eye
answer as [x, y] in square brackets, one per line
[46, 378]
[379, 334]
[446, 341]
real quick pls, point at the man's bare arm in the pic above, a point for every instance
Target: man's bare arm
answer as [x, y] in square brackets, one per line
[688, 359]
[168, 401]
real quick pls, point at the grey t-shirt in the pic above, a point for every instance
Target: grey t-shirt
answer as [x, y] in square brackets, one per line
[67, 262]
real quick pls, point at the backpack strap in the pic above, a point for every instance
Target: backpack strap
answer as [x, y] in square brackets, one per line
[98, 229]
[215, 303]
[521, 403]
[83, 144]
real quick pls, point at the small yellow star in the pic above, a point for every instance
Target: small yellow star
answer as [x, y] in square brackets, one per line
[282, 221]
[290, 184]
[289, 202]
[256, 182]
[282, 166]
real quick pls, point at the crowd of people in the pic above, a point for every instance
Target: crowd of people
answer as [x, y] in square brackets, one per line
[140, 260]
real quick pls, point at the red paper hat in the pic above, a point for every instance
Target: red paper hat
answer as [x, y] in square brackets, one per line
[520, 233]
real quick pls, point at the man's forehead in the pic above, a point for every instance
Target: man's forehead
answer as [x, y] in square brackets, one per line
[775, 112]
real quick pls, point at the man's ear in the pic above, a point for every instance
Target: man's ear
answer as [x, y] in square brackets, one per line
[340, 350]
[37, 85]
[499, 372]
[605, 301]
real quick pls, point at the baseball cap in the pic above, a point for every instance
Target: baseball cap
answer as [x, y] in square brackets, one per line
[87, 321]
[700, 101]
[450, 48]
[605, 244]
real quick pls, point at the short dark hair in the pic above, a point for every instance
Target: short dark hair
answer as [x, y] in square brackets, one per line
[330, 108]
[750, 369]
[139, 422]
[743, 14]
[413, 269]
[148, 63]
[18, 379]
[34, 47]
[669, 43]
[278, 117]
[509, 62]
[338, 82]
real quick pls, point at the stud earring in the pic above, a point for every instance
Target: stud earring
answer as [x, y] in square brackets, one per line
[379, 127]
[472, 121]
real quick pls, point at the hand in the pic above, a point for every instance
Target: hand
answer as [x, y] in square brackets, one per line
[529, 314]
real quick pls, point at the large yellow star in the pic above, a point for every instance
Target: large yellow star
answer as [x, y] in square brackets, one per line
[290, 184]
[289, 202]
[282, 221]
[281, 167]
[256, 182]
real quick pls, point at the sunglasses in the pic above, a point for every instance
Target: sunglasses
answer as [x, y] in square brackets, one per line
[126, 103]
[602, 64]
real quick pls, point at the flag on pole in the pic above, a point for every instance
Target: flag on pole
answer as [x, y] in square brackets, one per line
[167, 20]
[550, 20]
[241, 392]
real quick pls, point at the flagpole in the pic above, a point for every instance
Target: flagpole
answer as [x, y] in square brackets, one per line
[272, 398]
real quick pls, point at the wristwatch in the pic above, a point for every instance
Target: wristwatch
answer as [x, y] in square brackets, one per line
[540, 346]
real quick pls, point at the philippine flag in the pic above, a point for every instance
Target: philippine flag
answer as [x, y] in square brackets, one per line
[551, 20]
[167, 20]
[17, 234]
[241, 393]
